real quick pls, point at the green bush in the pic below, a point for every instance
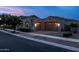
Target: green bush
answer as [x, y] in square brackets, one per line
[25, 30]
[67, 34]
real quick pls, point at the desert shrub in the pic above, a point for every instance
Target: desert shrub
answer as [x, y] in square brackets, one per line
[24, 30]
[67, 34]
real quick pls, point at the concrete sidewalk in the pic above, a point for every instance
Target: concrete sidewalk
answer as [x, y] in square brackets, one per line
[58, 34]
[51, 33]
[43, 35]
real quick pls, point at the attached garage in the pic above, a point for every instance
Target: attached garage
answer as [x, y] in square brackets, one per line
[46, 26]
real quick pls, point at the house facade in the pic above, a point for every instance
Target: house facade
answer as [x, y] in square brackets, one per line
[51, 23]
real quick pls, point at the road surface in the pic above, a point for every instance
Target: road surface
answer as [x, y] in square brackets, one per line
[10, 43]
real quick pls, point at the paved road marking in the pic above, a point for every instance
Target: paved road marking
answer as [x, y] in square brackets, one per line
[45, 42]
[55, 37]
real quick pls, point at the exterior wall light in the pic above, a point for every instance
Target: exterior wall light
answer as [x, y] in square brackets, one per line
[35, 24]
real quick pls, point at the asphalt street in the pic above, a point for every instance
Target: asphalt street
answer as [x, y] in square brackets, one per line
[10, 43]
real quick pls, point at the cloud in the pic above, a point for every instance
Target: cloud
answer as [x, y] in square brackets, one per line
[12, 11]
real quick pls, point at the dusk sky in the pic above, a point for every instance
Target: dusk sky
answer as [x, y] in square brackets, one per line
[71, 12]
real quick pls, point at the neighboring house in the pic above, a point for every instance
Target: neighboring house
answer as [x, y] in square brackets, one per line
[51, 23]
[28, 22]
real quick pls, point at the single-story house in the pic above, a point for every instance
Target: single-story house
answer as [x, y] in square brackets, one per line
[51, 23]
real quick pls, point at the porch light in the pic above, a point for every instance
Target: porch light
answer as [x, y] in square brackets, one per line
[58, 24]
[36, 24]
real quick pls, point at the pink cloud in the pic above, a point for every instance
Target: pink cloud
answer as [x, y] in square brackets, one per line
[12, 11]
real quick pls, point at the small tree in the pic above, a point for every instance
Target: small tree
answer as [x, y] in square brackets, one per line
[74, 27]
[1, 23]
[10, 20]
[14, 21]
[3, 19]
